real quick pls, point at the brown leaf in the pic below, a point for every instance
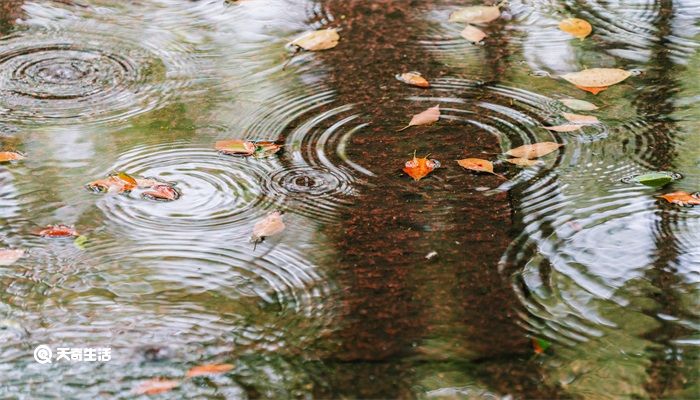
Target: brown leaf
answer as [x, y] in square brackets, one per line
[523, 162]
[534, 150]
[418, 168]
[580, 119]
[10, 156]
[322, 39]
[576, 27]
[235, 147]
[272, 224]
[9, 256]
[426, 117]
[475, 14]
[265, 149]
[162, 193]
[682, 198]
[156, 386]
[597, 77]
[476, 164]
[473, 34]
[58, 231]
[209, 369]
[413, 78]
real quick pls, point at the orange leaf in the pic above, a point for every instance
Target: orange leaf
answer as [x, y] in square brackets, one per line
[156, 386]
[209, 369]
[413, 78]
[9, 256]
[576, 27]
[682, 198]
[418, 168]
[594, 90]
[162, 192]
[426, 117]
[235, 147]
[476, 164]
[10, 156]
[58, 231]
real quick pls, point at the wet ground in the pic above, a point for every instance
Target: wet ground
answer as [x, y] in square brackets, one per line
[380, 286]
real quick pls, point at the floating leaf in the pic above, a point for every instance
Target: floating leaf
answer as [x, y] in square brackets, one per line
[413, 78]
[581, 119]
[57, 231]
[475, 14]
[534, 150]
[209, 369]
[597, 77]
[80, 242]
[479, 165]
[9, 256]
[473, 34]
[654, 179]
[564, 128]
[576, 27]
[579, 105]
[523, 162]
[322, 39]
[593, 90]
[127, 178]
[162, 193]
[682, 198]
[265, 149]
[235, 147]
[156, 386]
[540, 345]
[426, 117]
[10, 156]
[272, 224]
[418, 168]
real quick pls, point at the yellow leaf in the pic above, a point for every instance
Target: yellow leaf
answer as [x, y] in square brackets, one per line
[576, 27]
[322, 39]
[597, 77]
[534, 150]
[473, 34]
[475, 14]
[426, 117]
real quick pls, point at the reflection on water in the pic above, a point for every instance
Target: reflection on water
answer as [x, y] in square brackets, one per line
[597, 264]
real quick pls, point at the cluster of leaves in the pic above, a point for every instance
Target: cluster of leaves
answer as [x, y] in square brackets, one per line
[122, 182]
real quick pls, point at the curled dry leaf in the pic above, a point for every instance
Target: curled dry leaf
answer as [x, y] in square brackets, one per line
[322, 39]
[418, 168]
[272, 224]
[682, 198]
[156, 386]
[579, 105]
[426, 117]
[9, 256]
[475, 14]
[10, 156]
[597, 77]
[581, 119]
[413, 78]
[576, 27]
[209, 369]
[58, 231]
[523, 162]
[473, 34]
[162, 193]
[535, 150]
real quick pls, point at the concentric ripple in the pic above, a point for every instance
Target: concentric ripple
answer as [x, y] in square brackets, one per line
[217, 191]
[62, 78]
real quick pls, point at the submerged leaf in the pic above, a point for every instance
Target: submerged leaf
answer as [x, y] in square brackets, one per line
[10, 156]
[540, 345]
[58, 231]
[418, 168]
[523, 162]
[9, 256]
[473, 34]
[156, 386]
[597, 77]
[534, 150]
[475, 14]
[322, 39]
[80, 242]
[272, 224]
[682, 198]
[564, 128]
[426, 117]
[579, 105]
[576, 27]
[235, 147]
[581, 119]
[413, 78]
[209, 369]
